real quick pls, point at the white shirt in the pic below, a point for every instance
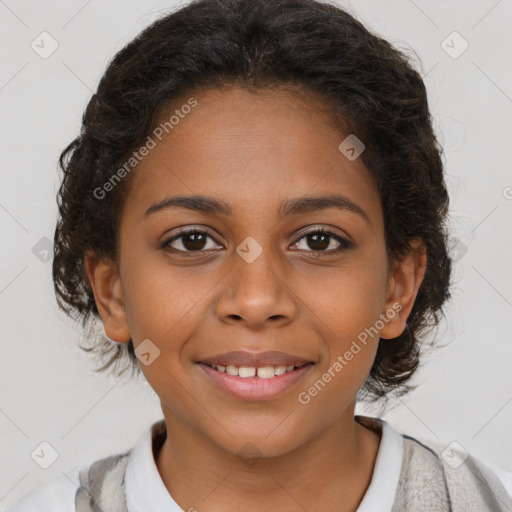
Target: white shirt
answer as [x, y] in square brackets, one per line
[146, 492]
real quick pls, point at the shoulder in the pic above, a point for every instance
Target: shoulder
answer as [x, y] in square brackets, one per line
[57, 495]
[102, 479]
[103, 483]
[453, 475]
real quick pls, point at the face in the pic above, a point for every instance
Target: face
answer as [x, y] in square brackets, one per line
[261, 272]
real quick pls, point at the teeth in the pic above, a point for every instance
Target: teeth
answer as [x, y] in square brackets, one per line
[280, 370]
[266, 372]
[246, 372]
[263, 372]
[231, 370]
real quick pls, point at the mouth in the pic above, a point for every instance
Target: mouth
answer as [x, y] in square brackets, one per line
[260, 372]
[254, 376]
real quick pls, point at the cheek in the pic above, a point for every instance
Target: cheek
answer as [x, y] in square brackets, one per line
[161, 301]
[348, 310]
[348, 300]
[349, 305]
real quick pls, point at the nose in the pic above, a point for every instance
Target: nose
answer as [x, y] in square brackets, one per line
[257, 294]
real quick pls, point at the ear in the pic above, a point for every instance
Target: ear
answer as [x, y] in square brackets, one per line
[108, 294]
[403, 285]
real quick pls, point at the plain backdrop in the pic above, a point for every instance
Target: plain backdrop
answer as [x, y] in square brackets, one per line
[49, 392]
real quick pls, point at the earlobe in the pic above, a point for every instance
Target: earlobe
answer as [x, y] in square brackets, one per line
[403, 286]
[108, 294]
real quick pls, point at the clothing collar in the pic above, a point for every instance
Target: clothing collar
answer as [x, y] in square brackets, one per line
[380, 494]
[146, 492]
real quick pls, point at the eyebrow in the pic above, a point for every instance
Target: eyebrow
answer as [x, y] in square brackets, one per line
[288, 207]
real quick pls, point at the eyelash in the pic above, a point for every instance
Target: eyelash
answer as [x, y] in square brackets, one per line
[344, 243]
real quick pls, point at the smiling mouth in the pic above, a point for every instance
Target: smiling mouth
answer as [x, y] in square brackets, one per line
[261, 372]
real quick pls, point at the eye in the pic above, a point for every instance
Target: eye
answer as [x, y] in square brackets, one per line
[190, 240]
[196, 240]
[320, 240]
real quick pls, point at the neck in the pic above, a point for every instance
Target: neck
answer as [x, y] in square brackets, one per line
[332, 471]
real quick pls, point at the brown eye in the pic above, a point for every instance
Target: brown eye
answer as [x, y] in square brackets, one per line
[190, 241]
[320, 240]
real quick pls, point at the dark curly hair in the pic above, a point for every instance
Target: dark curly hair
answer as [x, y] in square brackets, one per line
[368, 84]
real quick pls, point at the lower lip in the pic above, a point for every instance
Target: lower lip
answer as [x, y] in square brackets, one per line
[254, 388]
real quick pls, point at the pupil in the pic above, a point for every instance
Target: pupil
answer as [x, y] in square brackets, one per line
[315, 237]
[196, 244]
[196, 241]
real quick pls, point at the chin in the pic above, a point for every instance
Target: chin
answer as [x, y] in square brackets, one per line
[252, 444]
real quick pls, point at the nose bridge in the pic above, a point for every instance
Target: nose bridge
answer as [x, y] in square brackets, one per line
[258, 264]
[256, 290]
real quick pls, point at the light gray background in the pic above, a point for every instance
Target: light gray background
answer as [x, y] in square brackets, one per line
[48, 389]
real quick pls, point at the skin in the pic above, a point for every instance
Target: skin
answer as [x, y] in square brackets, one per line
[293, 297]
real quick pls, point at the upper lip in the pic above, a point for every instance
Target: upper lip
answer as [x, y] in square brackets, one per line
[255, 359]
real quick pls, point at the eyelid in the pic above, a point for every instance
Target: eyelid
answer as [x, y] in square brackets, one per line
[345, 240]
[186, 231]
[345, 237]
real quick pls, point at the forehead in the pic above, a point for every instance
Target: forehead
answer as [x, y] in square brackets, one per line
[252, 150]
